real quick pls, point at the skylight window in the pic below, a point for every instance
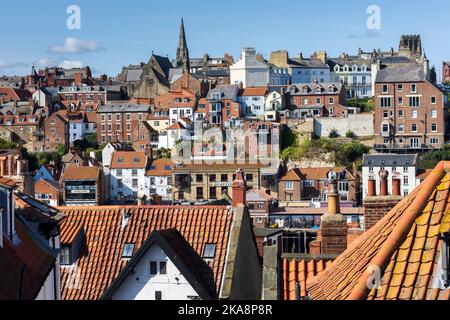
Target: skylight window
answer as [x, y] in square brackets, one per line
[210, 251]
[128, 250]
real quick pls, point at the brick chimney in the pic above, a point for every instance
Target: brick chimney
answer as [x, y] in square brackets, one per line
[239, 189]
[333, 231]
[376, 207]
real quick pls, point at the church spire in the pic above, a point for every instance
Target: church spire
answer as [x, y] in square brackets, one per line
[183, 51]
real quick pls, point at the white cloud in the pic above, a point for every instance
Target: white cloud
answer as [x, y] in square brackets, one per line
[73, 45]
[69, 64]
[45, 62]
[8, 64]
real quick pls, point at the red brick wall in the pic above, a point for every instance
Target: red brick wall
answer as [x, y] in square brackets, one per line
[426, 90]
[296, 192]
[55, 134]
[375, 208]
[333, 237]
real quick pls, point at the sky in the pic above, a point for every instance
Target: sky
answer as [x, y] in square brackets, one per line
[116, 33]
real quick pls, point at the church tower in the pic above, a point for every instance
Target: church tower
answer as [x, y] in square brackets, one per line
[183, 51]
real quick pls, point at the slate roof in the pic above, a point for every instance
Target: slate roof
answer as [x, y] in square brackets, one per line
[410, 72]
[100, 260]
[390, 160]
[25, 267]
[405, 247]
[164, 63]
[134, 75]
[227, 91]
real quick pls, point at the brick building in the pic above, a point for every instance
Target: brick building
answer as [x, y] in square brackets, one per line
[302, 185]
[82, 186]
[27, 128]
[446, 72]
[204, 182]
[56, 131]
[317, 99]
[410, 111]
[259, 204]
[120, 122]
[59, 77]
[48, 192]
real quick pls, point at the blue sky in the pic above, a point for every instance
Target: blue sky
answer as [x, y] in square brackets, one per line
[117, 33]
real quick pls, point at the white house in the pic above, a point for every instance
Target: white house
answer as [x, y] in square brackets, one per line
[253, 101]
[159, 176]
[169, 138]
[177, 113]
[46, 97]
[249, 70]
[403, 167]
[165, 268]
[274, 102]
[127, 175]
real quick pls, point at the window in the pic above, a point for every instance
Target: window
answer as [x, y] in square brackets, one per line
[413, 88]
[401, 128]
[400, 101]
[308, 183]
[400, 88]
[135, 184]
[406, 180]
[249, 177]
[199, 178]
[224, 178]
[153, 267]
[401, 114]
[434, 140]
[134, 172]
[385, 128]
[414, 114]
[119, 172]
[213, 193]
[158, 295]
[434, 127]
[385, 88]
[128, 251]
[433, 100]
[200, 193]
[65, 256]
[414, 101]
[385, 114]
[289, 185]
[331, 100]
[414, 127]
[163, 267]
[385, 102]
[212, 178]
[210, 251]
[434, 114]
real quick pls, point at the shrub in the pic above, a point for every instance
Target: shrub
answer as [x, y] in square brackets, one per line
[333, 134]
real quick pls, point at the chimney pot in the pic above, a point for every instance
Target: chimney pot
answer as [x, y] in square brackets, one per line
[371, 187]
[396, 186]
[383, 182]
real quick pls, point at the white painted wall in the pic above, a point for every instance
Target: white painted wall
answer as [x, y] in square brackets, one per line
[250, 71]
[308, 75]
[256, 105]
[127, 183]
[162, 185]
[48, 291]
[177, 113]
[107, 154]
[142, 286]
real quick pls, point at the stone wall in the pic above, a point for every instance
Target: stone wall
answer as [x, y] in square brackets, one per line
[360, 124]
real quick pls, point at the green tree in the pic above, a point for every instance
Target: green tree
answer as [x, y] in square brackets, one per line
[432, 158]
[4, 145]
[61, 150]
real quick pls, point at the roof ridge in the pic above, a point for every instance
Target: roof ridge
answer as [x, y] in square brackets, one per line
[401, 229]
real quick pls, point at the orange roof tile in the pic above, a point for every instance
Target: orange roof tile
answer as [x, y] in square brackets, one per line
[7, 182]
[254, 92]
[129, 160]
[100, 260]
[292, 175]
[299, 270]
[81, 173]
[404, 246]
[160, 168]
[177, 126]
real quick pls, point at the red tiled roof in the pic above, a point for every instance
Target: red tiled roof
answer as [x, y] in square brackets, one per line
[292, 175]
[129, 160]
[159, 168]
[81, 173]
[254, 92]
[309, 173]
[176, 126]
[100, 260]
[7, 182]
[405, 246]
[299, 270]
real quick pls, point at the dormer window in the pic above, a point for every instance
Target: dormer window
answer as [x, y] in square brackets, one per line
[337, 68]
[121, 160]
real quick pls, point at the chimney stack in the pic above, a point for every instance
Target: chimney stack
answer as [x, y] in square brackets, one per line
[384, 175]
[239, 189]
[333, 232]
